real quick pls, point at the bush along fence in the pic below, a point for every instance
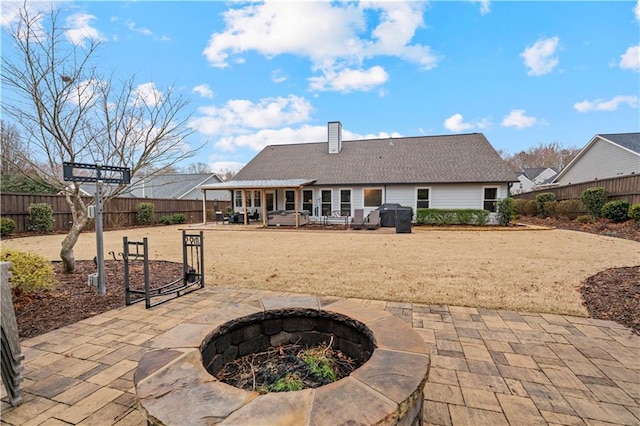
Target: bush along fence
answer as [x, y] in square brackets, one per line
[118, 213]
[619, 188]
[591, 206]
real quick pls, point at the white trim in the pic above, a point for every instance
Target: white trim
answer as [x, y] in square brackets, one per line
[350, 200]
[415, 203]
[497, 188]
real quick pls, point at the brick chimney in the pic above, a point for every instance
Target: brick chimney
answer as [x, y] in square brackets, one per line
[335, 137]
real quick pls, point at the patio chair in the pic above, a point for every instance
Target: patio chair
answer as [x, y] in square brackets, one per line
[357, 222]
[373, 220]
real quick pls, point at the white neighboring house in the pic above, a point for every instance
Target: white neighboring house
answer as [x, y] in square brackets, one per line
[533, 178]
[605, 156]
[335, 177]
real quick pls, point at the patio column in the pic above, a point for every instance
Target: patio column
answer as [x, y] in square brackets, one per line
[296, 197]
[244, 205]
[204, 206]
[263, 197]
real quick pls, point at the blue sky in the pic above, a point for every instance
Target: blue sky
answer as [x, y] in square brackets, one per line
[256, 74]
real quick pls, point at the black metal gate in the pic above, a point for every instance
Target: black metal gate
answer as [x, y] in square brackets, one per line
[192, 271]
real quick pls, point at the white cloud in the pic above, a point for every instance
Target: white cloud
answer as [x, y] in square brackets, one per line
[485, 6]
[203, 90]
[636, 11]
[603, 105]
[347, 80]
[147, 94]
[244, 116]
[517, 118]
[630, 59]
[540, 58]
[340, 41]
[278, 76]
[142, 30]
[456, 124]
[79, 29]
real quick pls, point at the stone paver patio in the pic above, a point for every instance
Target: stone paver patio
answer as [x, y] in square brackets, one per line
[487, 367]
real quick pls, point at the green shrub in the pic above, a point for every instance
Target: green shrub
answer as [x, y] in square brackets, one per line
[506, 210]
[7, 226]
[550, 209]
[531, 208]
[570, 209]
[634, 212]
[40, 217]
[541, 199]
[593, 199]
[585, 218]
[452, 216]
[616, 210]
[519, 204]
[145, 213]
[166, 220]
[30, 272]
[178, 218]
[173, 219]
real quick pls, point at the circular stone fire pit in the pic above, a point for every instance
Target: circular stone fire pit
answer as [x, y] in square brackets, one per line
[175, 383]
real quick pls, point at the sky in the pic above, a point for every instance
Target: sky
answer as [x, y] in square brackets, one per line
[267, 73]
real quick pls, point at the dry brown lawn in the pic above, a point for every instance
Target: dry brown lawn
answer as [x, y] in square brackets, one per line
[522, 270]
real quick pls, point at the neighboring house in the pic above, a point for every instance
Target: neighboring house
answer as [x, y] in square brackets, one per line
[534, 178]
[168, 186]
[605, 156]
[335, 177]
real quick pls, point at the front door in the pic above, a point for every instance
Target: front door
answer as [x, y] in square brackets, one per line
[270, 197]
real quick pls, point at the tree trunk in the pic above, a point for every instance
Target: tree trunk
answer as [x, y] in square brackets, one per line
[66, 253]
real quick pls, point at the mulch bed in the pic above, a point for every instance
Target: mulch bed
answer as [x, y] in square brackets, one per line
[73, 299]
[614, 295]
[629, 230]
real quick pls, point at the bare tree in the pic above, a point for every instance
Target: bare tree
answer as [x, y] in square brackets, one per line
[198, 168]
[550, 155]
[69, 112]
[13, 148]
[225, 174]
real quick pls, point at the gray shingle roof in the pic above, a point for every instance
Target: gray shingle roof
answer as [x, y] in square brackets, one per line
[630, 141]
[423, 159]
[173, 185]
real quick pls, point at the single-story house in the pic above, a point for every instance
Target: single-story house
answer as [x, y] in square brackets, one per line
[530, 179]
[334, 177]
[174, 186]
[605, 156]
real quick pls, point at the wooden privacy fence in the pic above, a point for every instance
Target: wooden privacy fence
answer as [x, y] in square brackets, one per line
[118, 213]
[618, 188]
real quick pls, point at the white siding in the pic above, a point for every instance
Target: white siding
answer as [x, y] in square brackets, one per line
[461, 196]
[602, 160]
[442, 196]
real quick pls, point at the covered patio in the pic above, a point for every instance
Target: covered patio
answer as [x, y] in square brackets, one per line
[246, 187]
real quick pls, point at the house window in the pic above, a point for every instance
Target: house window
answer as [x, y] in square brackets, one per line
[422, 200]
[345, 202]
[307, 200]
[257, 201]
[490, 199]
[238, 198]
[326, 202]
[289, 199]
[372, 197]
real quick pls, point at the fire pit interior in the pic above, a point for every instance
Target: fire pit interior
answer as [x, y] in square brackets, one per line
[274, 332]
[175, 381]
